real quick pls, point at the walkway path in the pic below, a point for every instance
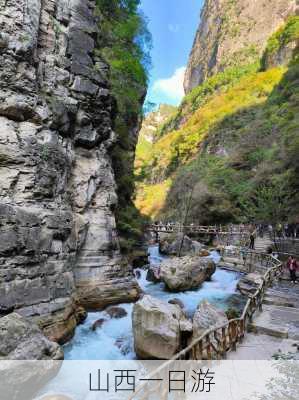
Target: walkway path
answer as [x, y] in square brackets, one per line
[276, 328]
[262, 244]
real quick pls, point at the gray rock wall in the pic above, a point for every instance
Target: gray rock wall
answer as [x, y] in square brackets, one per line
[58, 239]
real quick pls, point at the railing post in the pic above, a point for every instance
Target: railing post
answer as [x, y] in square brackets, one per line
[208, 342]
[224, 344]
[200, 351]
[234, 336]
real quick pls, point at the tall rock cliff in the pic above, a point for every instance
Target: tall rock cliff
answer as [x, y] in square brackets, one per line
[58, 242]
[233, 32]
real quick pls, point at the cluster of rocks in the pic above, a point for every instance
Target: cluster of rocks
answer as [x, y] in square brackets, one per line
[162, 329]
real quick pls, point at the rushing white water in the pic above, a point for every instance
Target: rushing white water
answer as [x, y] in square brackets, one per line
[114, 340]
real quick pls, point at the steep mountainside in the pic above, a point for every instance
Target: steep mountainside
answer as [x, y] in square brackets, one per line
[59, 248]
[231, 33]
[232, 143]
[149, 134]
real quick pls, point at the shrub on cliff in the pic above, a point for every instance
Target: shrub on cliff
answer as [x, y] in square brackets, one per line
[287, 34]
[124, 42]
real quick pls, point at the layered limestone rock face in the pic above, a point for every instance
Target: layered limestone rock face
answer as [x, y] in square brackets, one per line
[158, 328]
[22, 340]
[186, 273]
[58, 240]
[232, 33]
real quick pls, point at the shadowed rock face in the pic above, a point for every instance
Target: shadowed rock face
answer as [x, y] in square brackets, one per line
[58, 240]
[22, 340]
[233, 33]
[206, 317]
[157, 328]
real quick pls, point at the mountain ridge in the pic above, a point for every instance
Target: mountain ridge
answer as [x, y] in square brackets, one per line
[231, 33]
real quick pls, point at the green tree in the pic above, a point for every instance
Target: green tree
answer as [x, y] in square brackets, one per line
[125, 43]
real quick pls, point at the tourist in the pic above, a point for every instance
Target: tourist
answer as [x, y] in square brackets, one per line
[252, 240]
[279, 230]
[292, 266]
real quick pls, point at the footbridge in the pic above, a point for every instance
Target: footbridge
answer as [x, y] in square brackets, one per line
[208, 229]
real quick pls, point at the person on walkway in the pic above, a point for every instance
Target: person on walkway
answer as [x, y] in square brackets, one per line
[252, 240]
[279, 230]
[292, 266]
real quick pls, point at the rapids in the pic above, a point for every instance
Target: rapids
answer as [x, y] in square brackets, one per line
[114, 340]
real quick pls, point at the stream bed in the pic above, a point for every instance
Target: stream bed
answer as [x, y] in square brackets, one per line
[114, 340]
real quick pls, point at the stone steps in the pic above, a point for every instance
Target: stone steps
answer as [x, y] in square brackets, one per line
[268, 329]
[278, 321]
[262, 244]
[278, 301]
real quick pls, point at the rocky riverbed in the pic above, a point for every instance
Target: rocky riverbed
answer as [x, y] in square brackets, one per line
[114, 338]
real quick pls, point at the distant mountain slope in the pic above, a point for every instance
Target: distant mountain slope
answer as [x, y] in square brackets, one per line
[231, 33]
[235, 141]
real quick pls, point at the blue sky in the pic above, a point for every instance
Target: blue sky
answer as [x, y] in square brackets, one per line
[173, 25]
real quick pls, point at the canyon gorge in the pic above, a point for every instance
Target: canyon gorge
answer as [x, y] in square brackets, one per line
[67, 151]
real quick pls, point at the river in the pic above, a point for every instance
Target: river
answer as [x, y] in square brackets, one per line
[114, 340]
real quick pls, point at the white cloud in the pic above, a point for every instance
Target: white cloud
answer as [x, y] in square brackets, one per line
[171, 87]
[174, 28]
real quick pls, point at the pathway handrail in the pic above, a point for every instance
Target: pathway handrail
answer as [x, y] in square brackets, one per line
[197, 228]
[253, 302]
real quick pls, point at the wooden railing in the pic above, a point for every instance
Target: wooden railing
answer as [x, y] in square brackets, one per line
[250, 259]
[286, 245]
[211, 229]
[216, 342]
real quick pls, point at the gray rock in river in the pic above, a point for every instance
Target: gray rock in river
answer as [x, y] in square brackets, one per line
[157, 328]
[170, 245]
[98, 324]
[184, 273]
[116, 312]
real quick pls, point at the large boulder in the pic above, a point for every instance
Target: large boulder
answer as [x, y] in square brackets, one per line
[170, 244]
[157, 327]
[249, 283]
[186, 273]
[206, 317]
[22, 340]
